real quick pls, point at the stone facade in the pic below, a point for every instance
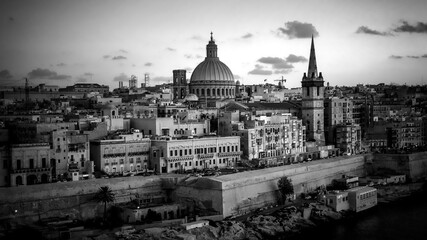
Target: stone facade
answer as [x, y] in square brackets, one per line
[175, 155]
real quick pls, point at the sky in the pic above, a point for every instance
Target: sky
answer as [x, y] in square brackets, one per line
[62, 42]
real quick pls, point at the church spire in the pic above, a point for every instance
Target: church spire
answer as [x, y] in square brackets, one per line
[312, 65]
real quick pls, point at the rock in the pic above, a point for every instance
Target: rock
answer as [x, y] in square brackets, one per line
[186, 236]
[155, 231]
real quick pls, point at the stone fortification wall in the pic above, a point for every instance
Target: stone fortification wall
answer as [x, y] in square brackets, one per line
[414, 165]
[74, 199]
[239, 193]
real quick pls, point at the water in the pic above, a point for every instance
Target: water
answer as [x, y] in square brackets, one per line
[403, 219]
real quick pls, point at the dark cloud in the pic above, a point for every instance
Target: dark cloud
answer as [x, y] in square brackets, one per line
[40, 73]
[11, 19]
[259, 70]
[248, 35]
[275, 62]
[297, 29]
[294, 59]
[419, 27]
[61, 64]
[106, 56]
[122, 77]
[5, 75]
[123, 51]
[283, 71]
[367, 30]
[133, 65]
[119, 57]
[148, 64]
[424, 56]
[88, 74]
[198, 38]
[416, 57]
[171, 49]
[395, 57]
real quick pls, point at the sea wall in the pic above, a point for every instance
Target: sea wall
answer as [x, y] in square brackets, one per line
[75, 199]
[414, 165]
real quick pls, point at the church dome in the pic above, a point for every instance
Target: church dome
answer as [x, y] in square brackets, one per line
[191, 98]
[212, 69]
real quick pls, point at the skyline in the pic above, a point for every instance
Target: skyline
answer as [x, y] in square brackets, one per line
[64, 42]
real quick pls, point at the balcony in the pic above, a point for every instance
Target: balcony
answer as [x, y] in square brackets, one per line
[114, 155]
[31, 170]
[138, 153]
[179, 158]
[229, 154]
[206, 156]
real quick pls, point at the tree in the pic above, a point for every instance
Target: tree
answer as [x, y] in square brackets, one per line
[105, 195]
[285, 187]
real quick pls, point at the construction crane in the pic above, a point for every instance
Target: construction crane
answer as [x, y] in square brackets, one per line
[281, 85]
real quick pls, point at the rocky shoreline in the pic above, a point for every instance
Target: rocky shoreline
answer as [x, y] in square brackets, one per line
[285, 223]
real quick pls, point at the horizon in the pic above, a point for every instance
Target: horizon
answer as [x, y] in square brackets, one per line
[63, 43]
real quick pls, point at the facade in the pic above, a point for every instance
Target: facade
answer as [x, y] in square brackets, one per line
[86, 88]
[337, 111]
[4, 166]
[348, 138]
[177, 155]
[338, 200]
[170, 127]
[211, 80]
[312, 101]
[405, 134]
[129, 153]
[180, 85]
[362, 198]
[30, 164]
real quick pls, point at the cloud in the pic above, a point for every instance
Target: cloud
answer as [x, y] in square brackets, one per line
[122, 77]
[61, 64]
[419, 27]
[395, 57]
[81, 80]
[248, 35]
[160, 79]
[367, 30]
[294, 58]
[171, 49]
[297, 29]
[236, 76]
[198, 38]
[260, 71]
[106, 56]
[275, 62]
[148, 64]
[413, 57]
[88, 74]
[123, 51]
[11, 19]
[40, 73]
[424, 56]
[417, 57]
[5, 75]
[119, 57]
[189, 56]
[283, 71]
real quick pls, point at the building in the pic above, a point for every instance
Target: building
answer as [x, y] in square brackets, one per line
[180, 84]
[171, 127]
[177, 155]
[128, 153]
[338, 200]
[337, 111]
[312, 101]
[86, 88]
[362, 198]
[210, 81]
[30, 164]
[348, 138]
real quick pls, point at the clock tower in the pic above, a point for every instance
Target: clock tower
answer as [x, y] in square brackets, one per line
[312, 101]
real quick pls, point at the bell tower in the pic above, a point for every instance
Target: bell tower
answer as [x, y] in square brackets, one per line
[180, 86]
[312, 100]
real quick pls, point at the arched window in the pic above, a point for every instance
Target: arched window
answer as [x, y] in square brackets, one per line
[318, 125]
[203, 91]
[223, 92]
[208, 92]
[218, 92]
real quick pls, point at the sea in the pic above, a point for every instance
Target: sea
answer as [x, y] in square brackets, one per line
[403, 219]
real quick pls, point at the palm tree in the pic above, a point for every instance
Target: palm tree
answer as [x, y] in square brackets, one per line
[105, 195]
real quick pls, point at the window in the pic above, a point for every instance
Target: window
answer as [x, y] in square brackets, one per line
[31, 163]
[171, 165]
[185, 152]
[176, 152]
[43, 162]
[171, 153]
[318, 89]
[4, 164]
[180, 153]
[308, 91]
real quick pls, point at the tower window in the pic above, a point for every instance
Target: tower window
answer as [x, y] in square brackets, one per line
[308, 91]
[318, 91]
